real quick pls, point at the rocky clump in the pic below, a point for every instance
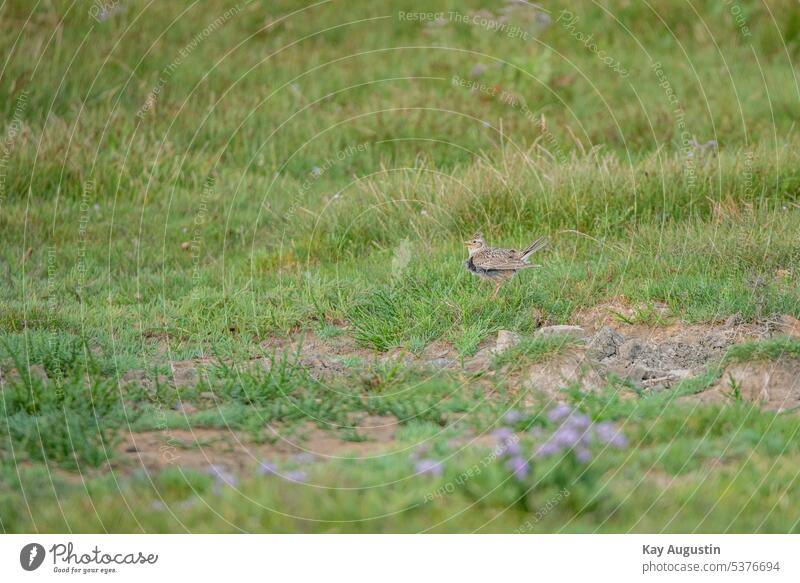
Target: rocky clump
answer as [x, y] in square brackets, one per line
[652, 364]
[505, 340]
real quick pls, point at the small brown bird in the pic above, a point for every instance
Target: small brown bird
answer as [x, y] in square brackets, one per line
[499, 265]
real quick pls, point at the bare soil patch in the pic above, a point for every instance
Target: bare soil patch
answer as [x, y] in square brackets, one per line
[773, 385]
[547, 379]
[199, 448]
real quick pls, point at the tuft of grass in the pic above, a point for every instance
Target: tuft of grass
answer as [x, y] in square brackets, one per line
[736, 389]
[646, 315]
[532, 350]
[69, 421]
[771, 349]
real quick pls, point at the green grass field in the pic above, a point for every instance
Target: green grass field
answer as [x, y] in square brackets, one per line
[232, 284]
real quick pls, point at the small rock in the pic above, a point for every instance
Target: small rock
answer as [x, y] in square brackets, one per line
[680, 373]
[480, 360]
[629, 350]
[733, 321]
[441, 362]
[636, 373]
[666, 380]
[185, 245]
[561, 330]
[606, 343]
[717, 341]
[209, 396]
[505, 340]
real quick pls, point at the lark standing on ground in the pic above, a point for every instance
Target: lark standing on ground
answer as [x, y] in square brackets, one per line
[499, 265]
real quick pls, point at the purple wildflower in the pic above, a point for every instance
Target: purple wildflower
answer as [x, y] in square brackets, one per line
[548, 448]
[503, 434]
[576, 432]
[607, 433]
[513, 416]
[510, 447]
[578, 421]
[222, 477]
[543, 19]
[296, 476]
[619, 441]
[187, 504]
[519, 467]
[559, 412]
[429, 466]
[220, 474]
[478, 70]
[267, 469]
[157, 505]
[303, 458]
[566, 437]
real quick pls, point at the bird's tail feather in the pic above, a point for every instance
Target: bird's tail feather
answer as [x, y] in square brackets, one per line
[537, 245]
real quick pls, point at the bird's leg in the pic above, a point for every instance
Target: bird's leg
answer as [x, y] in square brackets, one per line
[496, 289]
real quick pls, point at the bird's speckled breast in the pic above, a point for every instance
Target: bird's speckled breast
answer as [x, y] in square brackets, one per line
[488, 273]
[472, 268]
[493, 274]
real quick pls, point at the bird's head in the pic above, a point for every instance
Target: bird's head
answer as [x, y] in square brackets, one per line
[476, 243]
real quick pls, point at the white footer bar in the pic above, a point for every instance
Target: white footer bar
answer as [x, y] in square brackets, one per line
[402, 558]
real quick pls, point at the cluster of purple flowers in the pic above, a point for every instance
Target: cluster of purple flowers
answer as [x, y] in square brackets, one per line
[575, 432]
[295, 475]
[513, 416]
[509, 449]
[269, 469]
[222, 477]
[426, 466]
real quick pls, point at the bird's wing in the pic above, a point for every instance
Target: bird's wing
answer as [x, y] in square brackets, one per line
[498, 259]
